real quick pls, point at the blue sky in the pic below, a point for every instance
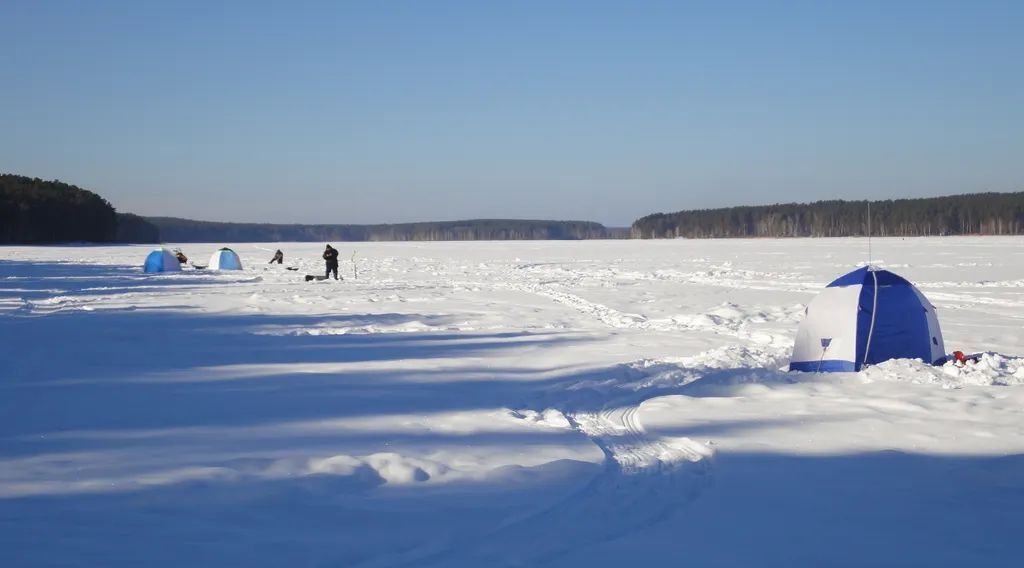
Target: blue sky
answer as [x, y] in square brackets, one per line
[361, 112]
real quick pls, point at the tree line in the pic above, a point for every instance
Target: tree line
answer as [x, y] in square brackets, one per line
[968, 214]
[173, 229]
[38, 211]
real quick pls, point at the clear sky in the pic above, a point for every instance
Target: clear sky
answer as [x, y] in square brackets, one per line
[387, 111]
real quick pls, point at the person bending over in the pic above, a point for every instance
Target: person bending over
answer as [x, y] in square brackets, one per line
[278, 257]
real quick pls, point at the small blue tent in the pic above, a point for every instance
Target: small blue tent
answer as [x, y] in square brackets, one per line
[225, 259]
[866, 317]
[161, 260]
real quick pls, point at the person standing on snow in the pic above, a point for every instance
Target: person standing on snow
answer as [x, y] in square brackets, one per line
[331, 258]
[278, 257]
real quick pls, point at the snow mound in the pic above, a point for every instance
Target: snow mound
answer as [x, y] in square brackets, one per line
[549, 417]
[336, 465]
[992, 369]
[738, 356]
[379, 468]
[412, 326]
[409, 327]
[398, 469]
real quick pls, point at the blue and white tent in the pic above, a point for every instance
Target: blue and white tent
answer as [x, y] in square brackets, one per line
[866, 317]
[161, 260]
[225, 259]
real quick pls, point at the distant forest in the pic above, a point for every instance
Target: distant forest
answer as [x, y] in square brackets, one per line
[186, 230]
[34, 211]
[969, 214]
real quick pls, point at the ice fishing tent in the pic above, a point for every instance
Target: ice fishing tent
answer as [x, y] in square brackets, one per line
[225, 259]
[161, 260]
[866, 317]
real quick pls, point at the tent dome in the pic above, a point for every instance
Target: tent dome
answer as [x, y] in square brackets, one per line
[225, 259]
[161, 260]
[866, 317]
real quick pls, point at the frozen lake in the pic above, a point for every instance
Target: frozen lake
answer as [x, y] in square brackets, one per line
[595, 403]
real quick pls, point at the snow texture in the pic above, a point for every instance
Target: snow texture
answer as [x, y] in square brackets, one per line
[502, 404]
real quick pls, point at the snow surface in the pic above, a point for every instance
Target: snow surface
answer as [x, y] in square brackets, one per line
[597, 403]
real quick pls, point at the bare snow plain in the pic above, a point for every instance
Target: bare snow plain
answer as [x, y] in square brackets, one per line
[596, 403]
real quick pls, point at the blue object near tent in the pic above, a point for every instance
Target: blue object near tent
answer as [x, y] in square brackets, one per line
[161, 260]
[866, 317]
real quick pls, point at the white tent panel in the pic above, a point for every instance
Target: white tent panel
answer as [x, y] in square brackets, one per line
[829, 330]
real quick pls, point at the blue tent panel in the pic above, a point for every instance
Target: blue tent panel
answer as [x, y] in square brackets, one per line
[825, 366]
[229, 260]
[154, 262]
[225, 259]
[901, 327]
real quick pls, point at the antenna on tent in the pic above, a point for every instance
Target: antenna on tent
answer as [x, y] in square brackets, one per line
[869, 233]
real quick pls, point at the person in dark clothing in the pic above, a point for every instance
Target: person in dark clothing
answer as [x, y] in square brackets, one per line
[180, 256]
[278, 257]
[331, 257]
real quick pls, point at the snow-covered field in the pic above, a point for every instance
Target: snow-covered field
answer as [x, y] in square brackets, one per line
[615, 403]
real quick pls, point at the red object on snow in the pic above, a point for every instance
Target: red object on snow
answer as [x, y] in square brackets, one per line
[960, 357]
